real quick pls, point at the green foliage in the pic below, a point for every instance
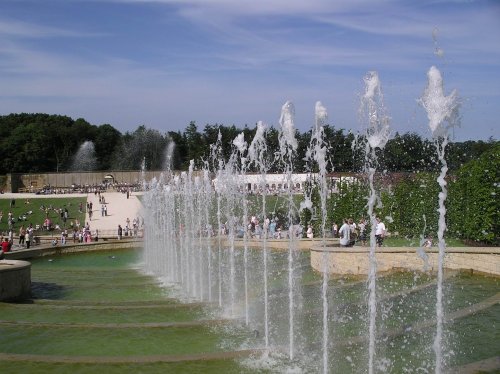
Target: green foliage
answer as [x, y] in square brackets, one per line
[412, 204]
[474, 205]
[407, 152]
[349, 202]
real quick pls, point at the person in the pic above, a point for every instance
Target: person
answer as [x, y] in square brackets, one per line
[379, 232]
[299, 231]
[335, 230]
[120, 232]
[353, 227]
[64, 235]
[5, 245]
[28, 237]
[362, 231]
[428, 242]
[22, 235]
[272, 229]
[345, 234]
[309, 233]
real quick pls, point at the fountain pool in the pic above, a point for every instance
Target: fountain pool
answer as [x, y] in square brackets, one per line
[99, 311]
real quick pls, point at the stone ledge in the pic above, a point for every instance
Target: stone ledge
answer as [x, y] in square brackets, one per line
[356, 260]
[15, 280]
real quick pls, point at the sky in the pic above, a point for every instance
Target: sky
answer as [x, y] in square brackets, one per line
[165, 63]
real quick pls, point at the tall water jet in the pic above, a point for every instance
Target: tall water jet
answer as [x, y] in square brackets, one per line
[442, 112]
[218, 165]
[241, 146]
[316, 156]
[319, 149]
[377, 135]
[85, 158]
[230, 188]
[257, 155]
[288, 147]
[207, 182]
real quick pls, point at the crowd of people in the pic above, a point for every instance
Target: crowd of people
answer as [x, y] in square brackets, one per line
[89, 188]
[135, 230]
[351, 232]
[55, 231]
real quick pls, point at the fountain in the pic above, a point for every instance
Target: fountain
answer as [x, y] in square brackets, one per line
[218, 300]
[168, 158]
[268, 289]
[304, 322]
[377, 135]
[85, 158]
[442, 112]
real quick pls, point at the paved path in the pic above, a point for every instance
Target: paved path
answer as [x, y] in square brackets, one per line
[119, 209]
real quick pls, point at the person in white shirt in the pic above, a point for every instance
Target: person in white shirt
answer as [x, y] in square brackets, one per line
[345, 234]
[309, 233]
[379, 232]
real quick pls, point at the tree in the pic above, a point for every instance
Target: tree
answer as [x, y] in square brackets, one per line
[106, 141]
[194, 144]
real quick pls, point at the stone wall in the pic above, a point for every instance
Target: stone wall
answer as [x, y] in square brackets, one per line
[32, 182]
[356, 260]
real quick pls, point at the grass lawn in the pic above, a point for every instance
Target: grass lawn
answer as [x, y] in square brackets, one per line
[38, 213]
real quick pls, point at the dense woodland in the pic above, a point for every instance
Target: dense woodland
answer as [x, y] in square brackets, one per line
[47, 143]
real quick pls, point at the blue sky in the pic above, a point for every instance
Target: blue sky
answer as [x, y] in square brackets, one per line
[165, 63]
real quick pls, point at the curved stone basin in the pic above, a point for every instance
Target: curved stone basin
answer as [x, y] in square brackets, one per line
[15, 280]
[355, 260]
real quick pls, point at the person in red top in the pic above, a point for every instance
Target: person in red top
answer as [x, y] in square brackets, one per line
[5, 245]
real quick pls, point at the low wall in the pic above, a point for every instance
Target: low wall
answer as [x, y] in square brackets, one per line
[281, 244]
[48, 250]
[356, 260]
[15, 280]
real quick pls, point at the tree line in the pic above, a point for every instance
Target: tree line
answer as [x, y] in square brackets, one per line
[47, 143]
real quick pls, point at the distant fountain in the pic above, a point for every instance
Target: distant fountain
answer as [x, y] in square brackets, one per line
[85, 158]
[168, 158]
[143, 174]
